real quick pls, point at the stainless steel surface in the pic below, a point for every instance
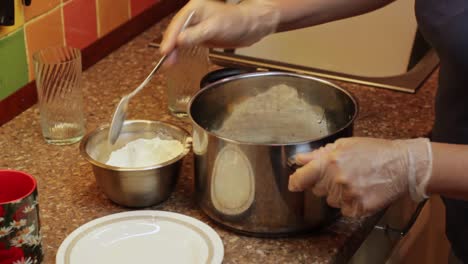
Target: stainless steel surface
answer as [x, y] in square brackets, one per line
[407, 82]
[353, 50]
[244, 185]
[402, 231]
[391, 229]
[363, 49]
[121, 109]
[134, 187]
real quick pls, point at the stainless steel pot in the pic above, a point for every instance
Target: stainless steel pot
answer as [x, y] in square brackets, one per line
[244, 185]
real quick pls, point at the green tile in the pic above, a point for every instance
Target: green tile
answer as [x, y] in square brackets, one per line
[13, 63]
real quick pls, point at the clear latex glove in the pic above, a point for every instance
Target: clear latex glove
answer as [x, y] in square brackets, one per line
[364, 175]
[217, 24]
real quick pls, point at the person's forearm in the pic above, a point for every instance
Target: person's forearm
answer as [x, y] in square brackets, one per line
[449, 171]
[296, 14]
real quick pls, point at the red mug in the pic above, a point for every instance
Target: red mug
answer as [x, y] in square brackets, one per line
[20, 238]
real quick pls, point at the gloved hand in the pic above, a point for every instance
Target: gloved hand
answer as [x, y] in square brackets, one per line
[363, 175]
[218, 24]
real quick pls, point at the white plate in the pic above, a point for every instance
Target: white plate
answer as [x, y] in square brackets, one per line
[142, 237]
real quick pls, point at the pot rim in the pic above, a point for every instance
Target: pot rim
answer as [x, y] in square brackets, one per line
[94, 162]
[271, 73]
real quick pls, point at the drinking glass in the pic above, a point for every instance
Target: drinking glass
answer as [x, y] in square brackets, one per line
[58, 81]
[183, 78]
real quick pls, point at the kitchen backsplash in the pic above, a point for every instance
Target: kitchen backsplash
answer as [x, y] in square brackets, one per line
[76, 23]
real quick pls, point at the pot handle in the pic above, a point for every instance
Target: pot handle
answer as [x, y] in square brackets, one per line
[221, 74]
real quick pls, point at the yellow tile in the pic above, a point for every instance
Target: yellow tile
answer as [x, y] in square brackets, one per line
[111, 14]
[19, 20]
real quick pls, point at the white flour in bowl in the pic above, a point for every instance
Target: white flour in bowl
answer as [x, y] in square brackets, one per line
[145, 152]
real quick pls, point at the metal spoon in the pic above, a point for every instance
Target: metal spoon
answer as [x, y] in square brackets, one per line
[121, 110]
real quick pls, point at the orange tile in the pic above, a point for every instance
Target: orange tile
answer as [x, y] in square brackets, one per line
[39, 7]
[42, 33]
[19, 20]
[111, 14]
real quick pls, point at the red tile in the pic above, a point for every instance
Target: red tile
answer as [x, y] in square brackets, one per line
[80, 29]
[139, 6]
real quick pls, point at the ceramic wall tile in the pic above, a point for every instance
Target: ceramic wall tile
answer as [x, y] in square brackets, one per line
[80, 23]
[111, 14]
[44, 32]
[13, 66]
[19, 20]
[39, 7]
[47, 23]
[138, 6]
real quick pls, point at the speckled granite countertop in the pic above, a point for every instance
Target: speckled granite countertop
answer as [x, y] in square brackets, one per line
[69, 196]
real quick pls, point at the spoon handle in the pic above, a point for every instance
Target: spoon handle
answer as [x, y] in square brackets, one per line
[150, 76]
[161, 61]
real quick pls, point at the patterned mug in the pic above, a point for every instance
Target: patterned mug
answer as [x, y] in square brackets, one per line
[20, 238]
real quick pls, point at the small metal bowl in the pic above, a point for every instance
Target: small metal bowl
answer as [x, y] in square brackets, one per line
[134, 187]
